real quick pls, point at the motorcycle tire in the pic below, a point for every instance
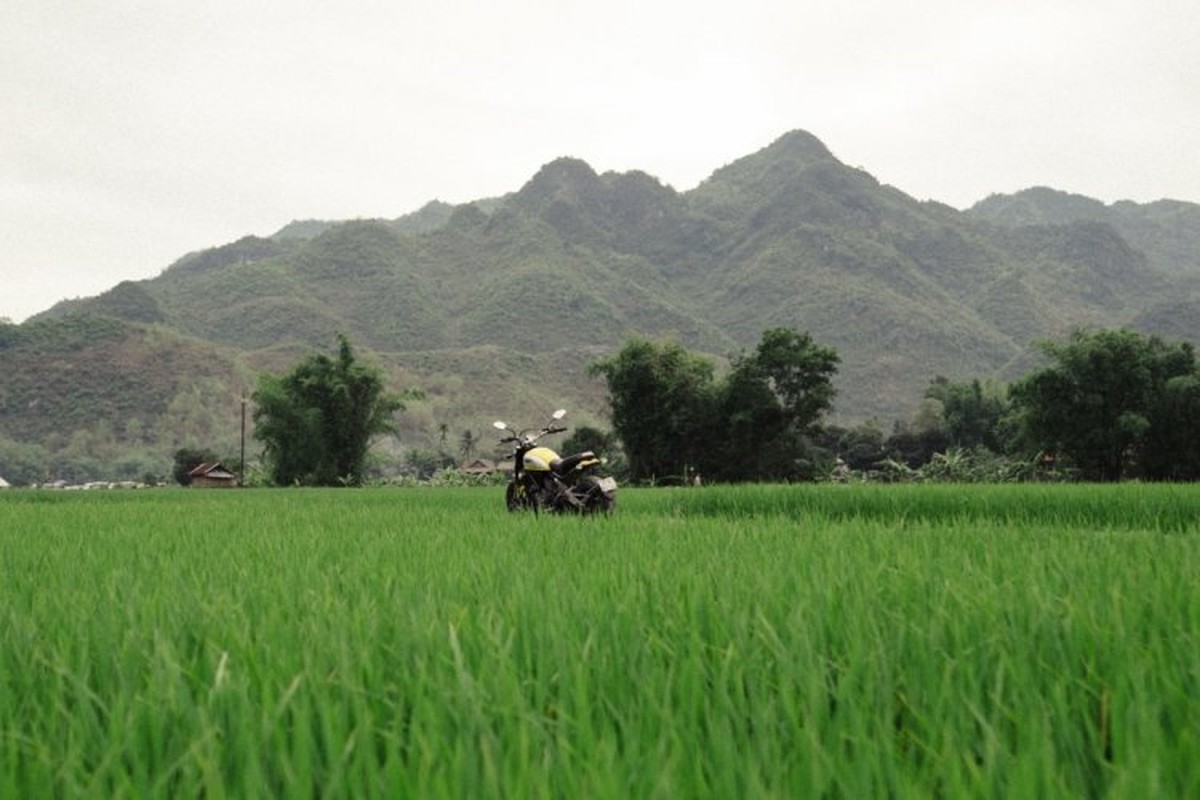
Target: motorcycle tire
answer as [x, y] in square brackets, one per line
[519, 500]
[595, 499]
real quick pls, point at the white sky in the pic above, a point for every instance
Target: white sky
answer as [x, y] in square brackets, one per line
[133, 131]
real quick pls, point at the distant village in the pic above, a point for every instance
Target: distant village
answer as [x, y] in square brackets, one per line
[214, 475]
[90, 485]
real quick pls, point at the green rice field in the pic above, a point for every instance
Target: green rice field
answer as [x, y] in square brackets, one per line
[737, 642]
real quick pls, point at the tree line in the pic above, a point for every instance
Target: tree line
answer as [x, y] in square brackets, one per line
[1107, 405]
[675, 421]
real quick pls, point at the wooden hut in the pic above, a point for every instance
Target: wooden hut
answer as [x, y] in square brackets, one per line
[211, 475]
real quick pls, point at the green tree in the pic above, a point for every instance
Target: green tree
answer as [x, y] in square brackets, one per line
[862, 447]
[1172, 450]
[800, 374]
[316, 422]
[771, 405]
[602, 443]
[1103, 399]
[22, 464]
[752, 440]
[586, 437]
[971, 412]
[917, 442]
[662, 401]
[673, 419]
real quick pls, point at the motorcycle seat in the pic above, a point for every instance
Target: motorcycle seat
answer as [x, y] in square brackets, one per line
[567, 463]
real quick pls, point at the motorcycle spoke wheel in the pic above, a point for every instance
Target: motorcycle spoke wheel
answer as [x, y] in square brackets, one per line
[517, 500]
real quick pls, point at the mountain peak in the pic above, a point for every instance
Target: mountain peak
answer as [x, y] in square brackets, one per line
[800, 145]
[565, 174]
[564, 183]
[1037, 205]
[789, 155]
[794, 166]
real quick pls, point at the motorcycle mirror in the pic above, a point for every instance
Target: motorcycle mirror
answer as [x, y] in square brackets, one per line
[500, 426]
[562, 412]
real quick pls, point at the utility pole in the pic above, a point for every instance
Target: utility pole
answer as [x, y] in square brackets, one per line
[242, 471]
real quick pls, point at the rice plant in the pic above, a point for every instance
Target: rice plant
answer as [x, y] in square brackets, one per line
[748, 641]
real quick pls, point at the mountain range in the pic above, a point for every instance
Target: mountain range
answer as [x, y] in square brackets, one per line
[495, 308]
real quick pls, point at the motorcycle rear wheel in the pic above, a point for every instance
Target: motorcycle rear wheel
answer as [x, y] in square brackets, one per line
[595, 499]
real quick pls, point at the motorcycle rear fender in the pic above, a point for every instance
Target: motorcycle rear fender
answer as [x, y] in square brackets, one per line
[575, 463]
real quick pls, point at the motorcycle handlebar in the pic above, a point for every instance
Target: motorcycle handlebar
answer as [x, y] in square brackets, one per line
[528, 437]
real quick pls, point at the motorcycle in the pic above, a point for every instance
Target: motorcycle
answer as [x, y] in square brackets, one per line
[544, 479]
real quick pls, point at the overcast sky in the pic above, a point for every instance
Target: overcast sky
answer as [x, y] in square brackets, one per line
[134, 131]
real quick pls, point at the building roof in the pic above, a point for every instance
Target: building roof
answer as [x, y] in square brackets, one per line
[213, 471]
[482, 466]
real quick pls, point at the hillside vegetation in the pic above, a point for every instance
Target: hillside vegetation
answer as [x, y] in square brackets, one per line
[495, 308]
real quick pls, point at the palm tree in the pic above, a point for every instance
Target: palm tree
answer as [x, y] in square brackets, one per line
[466, 445]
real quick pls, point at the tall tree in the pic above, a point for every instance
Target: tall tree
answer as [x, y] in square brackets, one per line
[661, 397]
[772, 403]
[317, 422]
[1172, 450]
[800, 374]
[1103, 399]
[971, 412]
[672, 418]
[467, 444]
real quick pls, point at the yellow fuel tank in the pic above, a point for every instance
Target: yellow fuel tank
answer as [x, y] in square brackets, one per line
[538, 459]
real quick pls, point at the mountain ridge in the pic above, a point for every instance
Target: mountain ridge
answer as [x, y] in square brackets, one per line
[566, 267]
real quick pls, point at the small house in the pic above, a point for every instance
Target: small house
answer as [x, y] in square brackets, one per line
[478, 466]
[482, 466]
[211, 475]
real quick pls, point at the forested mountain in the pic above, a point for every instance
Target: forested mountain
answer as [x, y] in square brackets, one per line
[1167, 231]
[495, 308]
